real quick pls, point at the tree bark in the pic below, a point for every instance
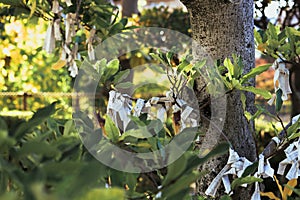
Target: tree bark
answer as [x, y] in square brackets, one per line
[295, 86]
[129, 7]
[223, 28]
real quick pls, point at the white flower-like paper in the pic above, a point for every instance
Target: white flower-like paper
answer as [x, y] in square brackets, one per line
[236, 165]
[49, 44]
[91, 51]
[73, 69]
[281, 80]
[292, 153]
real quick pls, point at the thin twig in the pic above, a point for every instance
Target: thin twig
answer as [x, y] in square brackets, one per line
[281, 122]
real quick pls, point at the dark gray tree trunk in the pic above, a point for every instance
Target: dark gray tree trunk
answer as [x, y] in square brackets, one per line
[129, 7]
[223, 28]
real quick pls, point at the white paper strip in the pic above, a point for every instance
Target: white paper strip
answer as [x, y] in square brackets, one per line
[264, 168]
[49, 44]
[236, 165]
[256, 194]
[70, 29]
[295, 119]
[91, 52]
[281, 79]
[57, 33]
[73, 69]
[138, 107]
[119, 107]
[69, 3]
[292, 158]
[55, 6]
[161, 113]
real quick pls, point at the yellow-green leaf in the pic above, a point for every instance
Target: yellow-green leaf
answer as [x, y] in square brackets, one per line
[59, 64]
[279, 186]
[271, 195]
[288, 189]
[32, 8]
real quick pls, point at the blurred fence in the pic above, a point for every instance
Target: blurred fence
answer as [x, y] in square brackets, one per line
[24, 96]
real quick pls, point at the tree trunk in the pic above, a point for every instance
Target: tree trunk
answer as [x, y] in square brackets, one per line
[129, 7]
[223, 28]
[295, 86]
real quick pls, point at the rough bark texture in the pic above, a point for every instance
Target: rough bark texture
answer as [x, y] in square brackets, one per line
[223, 28]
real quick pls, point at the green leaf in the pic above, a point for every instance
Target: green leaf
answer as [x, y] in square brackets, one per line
[125, 85]
[182, 66]
[15, 3]
[198, 65]
[294, 31]
[124, 21]
[264, 93]
[40, 148]
[111, 129]
[175, 170]
[3, 128]
[243, 100]
[116, 28]
[225, 197]
[272, 32]
[39, 117]
[131, 181]
[257, 37]
[157, 57]
[105, 194]
[244, 180]
[182, 183]
[255, 71]
[68, 127]
[140, 133]
[292, 130]
[230, 67]
[32, 8]
[111, 68]
[169, 56]
[218, 150]
[90, 70]
[120, 76]
[279, 101]
[250, 169]
[99, 66]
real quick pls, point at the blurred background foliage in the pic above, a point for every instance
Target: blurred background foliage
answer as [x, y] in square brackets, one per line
[26, 68]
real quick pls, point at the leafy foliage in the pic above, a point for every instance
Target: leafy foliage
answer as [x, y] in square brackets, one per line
[48, 161]
[283, 44]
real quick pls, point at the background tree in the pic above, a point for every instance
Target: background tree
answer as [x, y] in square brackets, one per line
[288, 16]
[129, 7]
[224, 28]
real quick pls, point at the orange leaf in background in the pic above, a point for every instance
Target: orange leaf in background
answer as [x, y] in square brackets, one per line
[271, 195]
[279, 186]
[59, 64]
[289, 186]
[262, 47]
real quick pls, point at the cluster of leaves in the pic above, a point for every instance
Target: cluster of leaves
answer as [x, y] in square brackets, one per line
[162, 17]
[172, 181]
[283, 44]
[43, 158]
